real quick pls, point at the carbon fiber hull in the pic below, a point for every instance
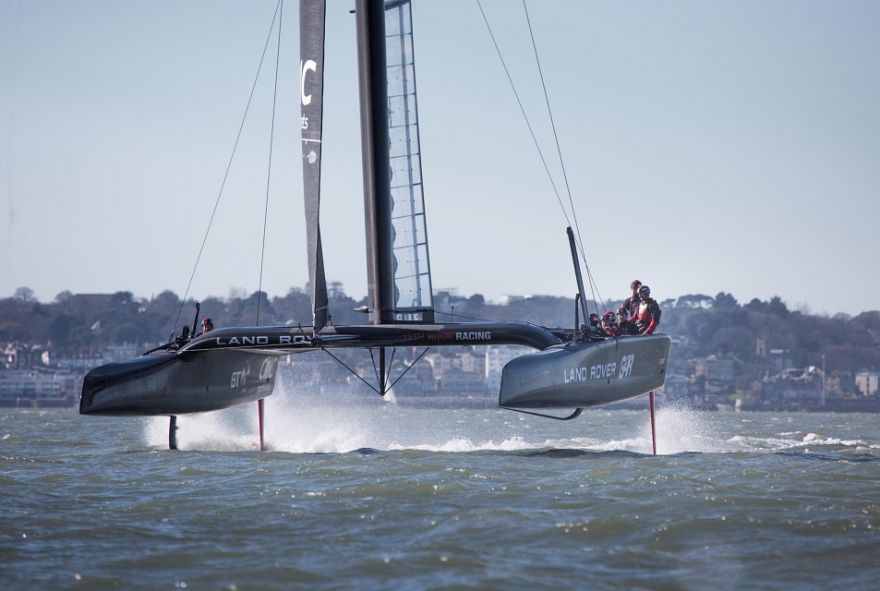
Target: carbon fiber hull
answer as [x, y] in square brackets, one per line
[579, 375]
[170, 383]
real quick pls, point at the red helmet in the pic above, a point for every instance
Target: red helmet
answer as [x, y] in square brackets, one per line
[634, 284]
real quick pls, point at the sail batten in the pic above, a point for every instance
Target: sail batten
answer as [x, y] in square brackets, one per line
[311, 19]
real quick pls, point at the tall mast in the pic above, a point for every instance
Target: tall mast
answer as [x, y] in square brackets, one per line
[311, 21]
[375, 155]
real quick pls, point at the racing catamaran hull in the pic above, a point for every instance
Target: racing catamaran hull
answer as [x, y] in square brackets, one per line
[236, 365]
[173, 383]
[586, 373]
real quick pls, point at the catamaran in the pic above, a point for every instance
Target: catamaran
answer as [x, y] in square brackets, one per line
[230, 366]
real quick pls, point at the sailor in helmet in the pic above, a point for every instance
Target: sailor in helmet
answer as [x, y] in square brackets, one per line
[631, 304]
[596, 331]
[207, 326]
[648, 316]
[624, 325]
[609, 325]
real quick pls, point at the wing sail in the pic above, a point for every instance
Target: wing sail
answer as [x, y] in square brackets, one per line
[412, 269]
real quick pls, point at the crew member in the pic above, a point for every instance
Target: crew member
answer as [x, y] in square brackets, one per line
[207, 326]
[596, 331]
[624, 325]
[609, 325]
[648, 316]
[631, 304]
[183, 338]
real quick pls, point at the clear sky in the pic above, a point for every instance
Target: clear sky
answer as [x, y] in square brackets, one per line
[710, 146]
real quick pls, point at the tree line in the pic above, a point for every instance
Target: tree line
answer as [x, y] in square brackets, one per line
[701, 325]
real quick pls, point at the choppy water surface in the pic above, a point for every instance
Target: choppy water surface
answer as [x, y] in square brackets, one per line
[386, 496]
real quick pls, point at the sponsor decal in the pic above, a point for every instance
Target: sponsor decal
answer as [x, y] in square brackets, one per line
[238, 378]
[306, 67]
[258, 340]
[575, 374]
[594, 372]
[267, 368]
[626, 365]
[438, 337]
[473, 336]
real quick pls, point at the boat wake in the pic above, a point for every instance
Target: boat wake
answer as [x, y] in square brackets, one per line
[296, 424]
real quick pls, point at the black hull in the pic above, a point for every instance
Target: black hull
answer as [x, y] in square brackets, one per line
[237, 365]
[171, 383]
[232, 366]
[580, 375]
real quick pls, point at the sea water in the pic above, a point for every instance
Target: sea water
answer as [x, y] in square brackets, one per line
[383, 496]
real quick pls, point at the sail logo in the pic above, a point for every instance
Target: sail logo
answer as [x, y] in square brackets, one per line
[626, 366]
[306, 67]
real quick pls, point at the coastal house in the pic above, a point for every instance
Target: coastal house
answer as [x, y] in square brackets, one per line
[868, 383]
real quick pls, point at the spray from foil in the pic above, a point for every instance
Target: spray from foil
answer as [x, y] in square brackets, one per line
[683, 429]
[302, 423]
[298, 421]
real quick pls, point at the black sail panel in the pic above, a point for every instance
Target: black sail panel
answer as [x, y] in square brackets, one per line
[311, 23]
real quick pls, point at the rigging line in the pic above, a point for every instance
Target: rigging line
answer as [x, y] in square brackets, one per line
[228, 165]
[351, 371]
[391, 362]
[595, 291]
[594, 286]
[523, 111]
[269, 171]
[375, 367]
[552, 120]
[419, 358]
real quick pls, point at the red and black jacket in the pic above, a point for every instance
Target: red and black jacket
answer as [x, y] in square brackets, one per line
[631, 305]
[648, 316]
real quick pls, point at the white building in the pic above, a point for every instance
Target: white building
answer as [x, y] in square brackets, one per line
[497, 357]
[23, 387]
[868, 382]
